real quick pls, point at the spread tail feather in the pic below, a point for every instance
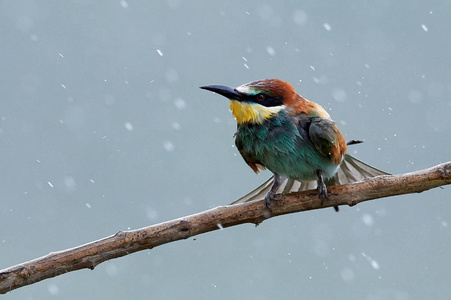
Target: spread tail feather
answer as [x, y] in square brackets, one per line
[351, 170]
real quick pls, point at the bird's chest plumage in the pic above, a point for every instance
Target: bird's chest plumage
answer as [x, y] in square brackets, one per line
[283, 146]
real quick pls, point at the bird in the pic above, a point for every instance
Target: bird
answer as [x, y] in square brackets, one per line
[294, 138]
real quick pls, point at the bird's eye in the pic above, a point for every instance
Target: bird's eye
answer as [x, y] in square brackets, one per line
[260, 97]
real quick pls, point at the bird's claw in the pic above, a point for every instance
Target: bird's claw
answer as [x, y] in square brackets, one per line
[270, 196]
[322, 193]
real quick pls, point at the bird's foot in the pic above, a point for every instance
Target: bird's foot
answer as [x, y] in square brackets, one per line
[323, 196]
[322, 192]
[270, 197]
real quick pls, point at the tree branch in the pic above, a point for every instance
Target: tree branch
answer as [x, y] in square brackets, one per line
[126, 242]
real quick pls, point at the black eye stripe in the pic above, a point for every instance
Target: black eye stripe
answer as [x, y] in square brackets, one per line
[265, 100]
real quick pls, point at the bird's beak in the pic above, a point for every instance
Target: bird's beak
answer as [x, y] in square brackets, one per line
[225, 91]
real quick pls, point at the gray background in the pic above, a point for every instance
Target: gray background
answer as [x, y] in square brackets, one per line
[103, 128]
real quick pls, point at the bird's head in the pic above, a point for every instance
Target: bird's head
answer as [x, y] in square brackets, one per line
[257, 101]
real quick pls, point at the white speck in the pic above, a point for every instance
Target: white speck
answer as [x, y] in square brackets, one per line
[88, 205]
[381, 212]
[111, 269]
[180, 103]
[367, 219]
[124, 4]
[339, 95]
[415, 96]
[53, 289]
[246, 66]
[327, 26]
[270, 50]
[38, 160]
[159, 52]
[92, 180]
[187, 201]
[347, 274]
[50, 184]
[175, 125]
[34, 37]
[63, 86]
[128, 126]
[151, 214]
[247, 13]
[367, 66]
[424, 27]
[266, 12]
[171, 75]
[168, 146]
[70, 183]
[372, 262]
[220, 226]
[60, 54]
[244, 58]
[375, 265]
[312, 67]
[300, 17]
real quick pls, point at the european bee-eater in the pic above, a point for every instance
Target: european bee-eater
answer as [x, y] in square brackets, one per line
[294, 138]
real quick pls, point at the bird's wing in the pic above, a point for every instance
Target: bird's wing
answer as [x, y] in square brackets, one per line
[351, 170]
[327, 138]
[249, 158]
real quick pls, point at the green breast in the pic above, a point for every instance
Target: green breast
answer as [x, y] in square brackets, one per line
[283, 146]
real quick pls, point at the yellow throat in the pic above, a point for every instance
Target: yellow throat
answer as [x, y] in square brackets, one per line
[252, 112]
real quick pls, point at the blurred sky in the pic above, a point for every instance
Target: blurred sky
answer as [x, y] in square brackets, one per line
[103, 128]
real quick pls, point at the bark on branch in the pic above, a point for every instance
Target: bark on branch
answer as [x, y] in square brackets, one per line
[127, 242]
